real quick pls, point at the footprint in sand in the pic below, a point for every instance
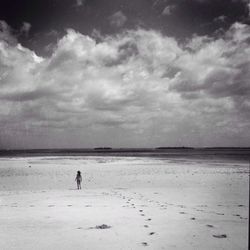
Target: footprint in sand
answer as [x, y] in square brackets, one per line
[220, 236]
[209, 225]
[51, 205]
[144, 244]
[151, 233]
[192, 218]
[149, 219]
[145, 225]
[182, 213]
[202, 205]
[242, 218]
[69, 205]
[236, 215]
[140, 210]
[142, 214]
[220, 213]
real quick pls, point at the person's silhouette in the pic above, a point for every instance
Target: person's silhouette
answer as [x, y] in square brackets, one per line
[78, 179]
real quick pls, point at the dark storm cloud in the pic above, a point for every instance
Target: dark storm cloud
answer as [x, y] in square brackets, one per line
[180, 19]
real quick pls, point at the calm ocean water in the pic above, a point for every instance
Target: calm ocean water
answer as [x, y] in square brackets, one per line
[242, 154]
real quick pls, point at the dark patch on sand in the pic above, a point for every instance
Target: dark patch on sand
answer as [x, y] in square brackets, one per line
[103, 226]
[220, 213]
[220, 236]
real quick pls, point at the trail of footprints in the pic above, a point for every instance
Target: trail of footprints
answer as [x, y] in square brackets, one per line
[199, 208]
[142, 213]
[130, 203]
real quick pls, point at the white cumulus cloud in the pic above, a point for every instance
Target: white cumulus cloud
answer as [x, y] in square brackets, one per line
[136, 88]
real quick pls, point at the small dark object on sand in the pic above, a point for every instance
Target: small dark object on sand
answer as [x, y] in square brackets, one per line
[220, 236]
[103, 226]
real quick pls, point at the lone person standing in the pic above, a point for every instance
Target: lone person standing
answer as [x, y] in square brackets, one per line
[78, 179]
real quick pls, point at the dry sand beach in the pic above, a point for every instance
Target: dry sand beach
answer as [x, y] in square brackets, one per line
[126, 203]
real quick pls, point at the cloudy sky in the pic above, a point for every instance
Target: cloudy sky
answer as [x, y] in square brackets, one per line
[122, 73]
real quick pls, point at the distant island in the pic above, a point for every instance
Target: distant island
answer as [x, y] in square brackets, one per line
[103, 148]
[174, 148]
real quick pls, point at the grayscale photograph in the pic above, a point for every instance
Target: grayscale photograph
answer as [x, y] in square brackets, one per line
[124, 124]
